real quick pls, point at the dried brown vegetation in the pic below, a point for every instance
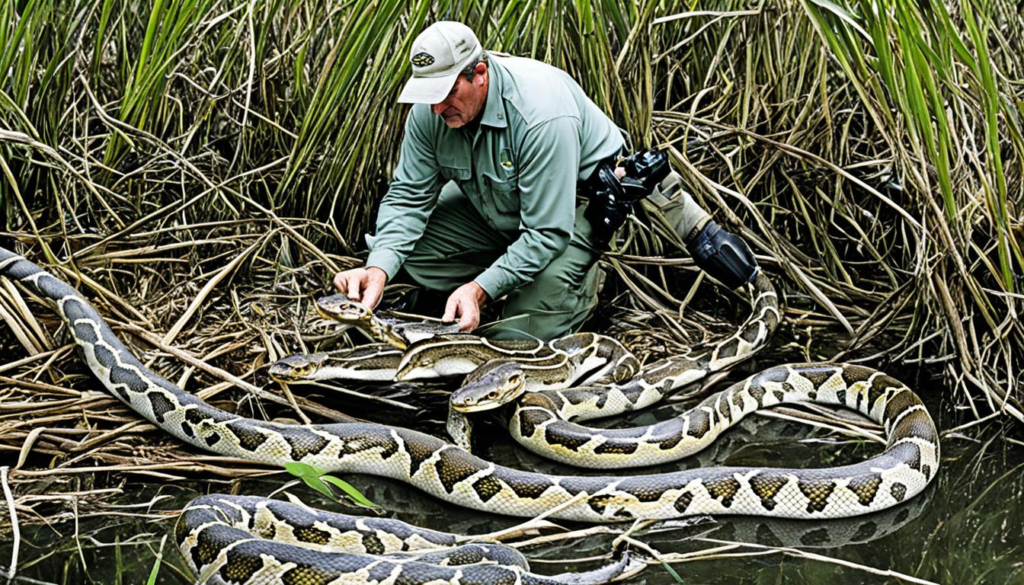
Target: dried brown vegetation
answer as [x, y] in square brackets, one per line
[199, 169]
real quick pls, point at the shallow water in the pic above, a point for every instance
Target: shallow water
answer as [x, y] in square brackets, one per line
[966, 528]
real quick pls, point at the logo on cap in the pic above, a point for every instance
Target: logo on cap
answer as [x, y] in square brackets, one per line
[422, 59]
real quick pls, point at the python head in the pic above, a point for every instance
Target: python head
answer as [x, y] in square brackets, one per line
[338, 307]
[297, 368]
[494, 384]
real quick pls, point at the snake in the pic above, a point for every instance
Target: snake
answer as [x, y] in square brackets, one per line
[578, 358]
[394, 329]
[903, 469]
[261, 541]
[547, 411]
[376, 362]
[434, 350]
[544, 421]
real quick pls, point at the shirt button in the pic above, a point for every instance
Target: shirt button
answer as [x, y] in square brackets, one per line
[501, 116]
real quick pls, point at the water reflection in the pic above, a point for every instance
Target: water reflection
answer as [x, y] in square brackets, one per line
[966, 528]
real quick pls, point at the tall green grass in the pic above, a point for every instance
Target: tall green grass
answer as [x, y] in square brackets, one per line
[873, 149]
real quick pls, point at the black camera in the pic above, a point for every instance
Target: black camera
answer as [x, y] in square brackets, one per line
[612, 198]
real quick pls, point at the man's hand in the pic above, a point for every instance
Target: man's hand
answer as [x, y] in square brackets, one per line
[465, 303]
[362, 284]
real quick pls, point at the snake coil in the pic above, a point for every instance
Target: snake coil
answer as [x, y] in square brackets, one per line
[908, 463]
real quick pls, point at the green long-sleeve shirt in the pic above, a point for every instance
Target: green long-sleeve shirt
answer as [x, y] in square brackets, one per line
[537, 136]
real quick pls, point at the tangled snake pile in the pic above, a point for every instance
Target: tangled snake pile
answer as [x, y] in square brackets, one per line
[909, 461]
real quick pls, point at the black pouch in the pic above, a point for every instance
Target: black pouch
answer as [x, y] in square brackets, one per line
[612, 198]
[608, 207]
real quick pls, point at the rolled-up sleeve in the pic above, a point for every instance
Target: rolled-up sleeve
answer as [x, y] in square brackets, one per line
[411, 197]
[549, 162]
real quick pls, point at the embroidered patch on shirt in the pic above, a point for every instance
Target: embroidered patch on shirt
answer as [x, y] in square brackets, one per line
[505, 158]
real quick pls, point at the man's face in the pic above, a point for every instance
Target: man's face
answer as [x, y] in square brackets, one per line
[466, 99]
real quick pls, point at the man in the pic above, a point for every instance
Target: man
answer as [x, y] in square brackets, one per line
[483, 201]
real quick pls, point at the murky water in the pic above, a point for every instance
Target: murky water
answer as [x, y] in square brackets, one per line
[967, 528]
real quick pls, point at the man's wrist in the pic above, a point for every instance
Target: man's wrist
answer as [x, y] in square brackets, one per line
[386, 260]
[490, 281]
[479, 293]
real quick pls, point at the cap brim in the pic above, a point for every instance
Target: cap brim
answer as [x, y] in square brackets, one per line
[427, 90]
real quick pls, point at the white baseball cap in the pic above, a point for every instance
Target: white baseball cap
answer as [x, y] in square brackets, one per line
[438, 55]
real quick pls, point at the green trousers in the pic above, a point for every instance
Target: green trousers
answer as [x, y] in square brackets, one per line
[458, 244]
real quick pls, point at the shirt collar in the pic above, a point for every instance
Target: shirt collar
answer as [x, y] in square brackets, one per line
[494, 109]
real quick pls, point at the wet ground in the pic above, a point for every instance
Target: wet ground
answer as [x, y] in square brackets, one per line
[967, 528]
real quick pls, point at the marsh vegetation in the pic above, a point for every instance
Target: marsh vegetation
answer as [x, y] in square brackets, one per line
[199, 168]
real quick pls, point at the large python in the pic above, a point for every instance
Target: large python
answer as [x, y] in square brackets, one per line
[908, 463]
[376, 362]
[433, 350]
[543, 419]
[259, 541]
[577, 358]
[540, 420]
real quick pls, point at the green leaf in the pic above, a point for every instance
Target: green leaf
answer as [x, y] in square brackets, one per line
[153, 574]
[118, 562]
[842, 14]
[352, 493]
[672, 572]
[310, 475]
[156, 564]
[317, 480]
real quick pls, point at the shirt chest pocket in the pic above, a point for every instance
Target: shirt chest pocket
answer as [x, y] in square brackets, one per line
[457, 174]
[504, 188]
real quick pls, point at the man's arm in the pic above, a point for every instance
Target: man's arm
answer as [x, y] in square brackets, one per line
[411, 197]
[403, 213]
[550, 161]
